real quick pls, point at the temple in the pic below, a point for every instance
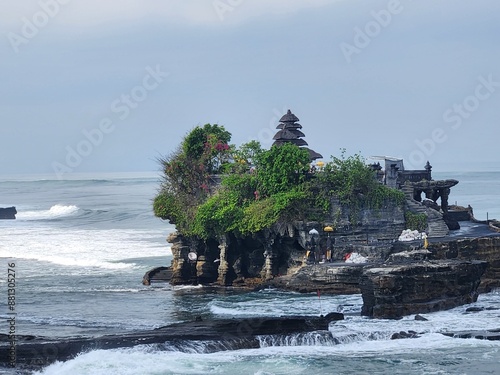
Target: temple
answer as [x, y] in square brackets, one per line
[414, 182]
[289, 133]
[402, 279]
[422, 192]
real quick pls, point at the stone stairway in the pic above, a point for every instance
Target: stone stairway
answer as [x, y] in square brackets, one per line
[435, 224]
[436, 227]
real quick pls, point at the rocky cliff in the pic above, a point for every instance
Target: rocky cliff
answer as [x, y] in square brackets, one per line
[393, 291]
[483, 248]
[396, 280]
[281, 249]
[406, 284]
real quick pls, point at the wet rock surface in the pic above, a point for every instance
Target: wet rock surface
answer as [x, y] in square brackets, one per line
[393, 291]
[224, 334]
[492, 335]
[8, 213]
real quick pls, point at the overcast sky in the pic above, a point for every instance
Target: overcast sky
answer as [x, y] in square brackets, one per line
[89, 86]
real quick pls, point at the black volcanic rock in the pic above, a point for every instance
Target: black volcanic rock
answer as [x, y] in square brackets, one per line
[492, 335]
[8, 213]
[331, 278]
[393, 291]
[221, 334]
[404, 335]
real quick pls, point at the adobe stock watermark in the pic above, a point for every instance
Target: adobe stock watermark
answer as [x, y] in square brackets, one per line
[121, 108]
[454, 118]
[31, 26]
[363, 36]
[222, 7]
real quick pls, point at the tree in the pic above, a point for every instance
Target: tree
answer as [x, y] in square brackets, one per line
[250, 151]
[281, 168]
[209, 144]
[186, 174]
[348, 177]
[353, 182]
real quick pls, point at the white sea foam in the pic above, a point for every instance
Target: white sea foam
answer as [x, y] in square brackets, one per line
[187, 287]
[80, 248]
[76, 261]
[56, 211]
[139, 361]
[277, 359]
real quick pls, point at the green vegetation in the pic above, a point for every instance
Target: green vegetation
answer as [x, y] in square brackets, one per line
[281, 168]
[209, 145]
[353, 183]
[186, 174]
[416, 221]
[259, 188]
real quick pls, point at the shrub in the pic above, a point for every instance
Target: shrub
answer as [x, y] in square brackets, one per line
[281, 168]
[416, 221]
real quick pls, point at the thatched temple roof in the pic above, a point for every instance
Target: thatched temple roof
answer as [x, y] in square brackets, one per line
[289, 133]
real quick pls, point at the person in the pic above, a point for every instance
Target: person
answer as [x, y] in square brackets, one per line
[328, 249]
[314, 250]
[309, 253]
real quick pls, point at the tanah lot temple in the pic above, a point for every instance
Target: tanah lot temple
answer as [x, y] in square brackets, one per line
[422, 192]
[401, 278]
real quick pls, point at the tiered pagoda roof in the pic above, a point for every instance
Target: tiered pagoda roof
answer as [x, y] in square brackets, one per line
[289, 133]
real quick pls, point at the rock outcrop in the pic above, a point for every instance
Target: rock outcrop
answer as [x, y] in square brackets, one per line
[158, 274]
[280, 250]
[397, 281]
[492, 335]
[8, 213]
[483, 248]
[393, 291]
[340, 278]
[221, 334]
[408, 285]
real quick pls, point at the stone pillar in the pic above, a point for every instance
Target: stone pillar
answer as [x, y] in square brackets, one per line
[267, 269]
[180, 265]
[445, 193]
[223, 265]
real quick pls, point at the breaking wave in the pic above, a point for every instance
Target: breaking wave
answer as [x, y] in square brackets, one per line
[55, 212]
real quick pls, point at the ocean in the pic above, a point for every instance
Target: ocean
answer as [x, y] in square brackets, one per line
[81, 246]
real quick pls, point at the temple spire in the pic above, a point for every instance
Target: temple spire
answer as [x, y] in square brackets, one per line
[289, 133]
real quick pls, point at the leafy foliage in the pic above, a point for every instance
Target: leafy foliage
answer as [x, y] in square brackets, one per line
[263, 213]
[354, 183]
[219, 214]
[281, 168]
[249, 152]
[208, 144]
[194, 143]
[259, 188]
[186, 183]
[416, 221]
[240, 207]
[348, 177]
